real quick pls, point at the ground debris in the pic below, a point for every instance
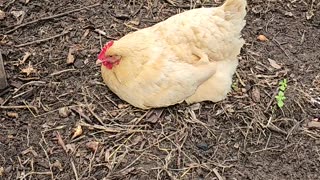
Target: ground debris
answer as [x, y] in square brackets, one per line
[314, 124]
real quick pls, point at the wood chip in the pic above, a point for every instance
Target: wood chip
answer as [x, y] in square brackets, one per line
[274, 64]
[154, 115]
[122, 106]
[99, 31]
[3, 75]
[262, 38]
[70, 58]
[2, 15]
[314, 124]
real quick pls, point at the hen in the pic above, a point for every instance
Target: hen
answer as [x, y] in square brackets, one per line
[190, 57]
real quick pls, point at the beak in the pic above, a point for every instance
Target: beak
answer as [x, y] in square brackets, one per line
[98, 62]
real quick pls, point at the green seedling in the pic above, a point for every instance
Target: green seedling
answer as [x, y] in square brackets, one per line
[235, 86]
[283, 85]
[281, 97]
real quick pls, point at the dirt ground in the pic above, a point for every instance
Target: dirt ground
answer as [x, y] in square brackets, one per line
[59, 121]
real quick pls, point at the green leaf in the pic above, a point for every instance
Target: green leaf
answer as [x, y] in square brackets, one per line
[283, 84]
[235, 87]
[281, 93]
[280, 104]
[280, 97]
[282, 88]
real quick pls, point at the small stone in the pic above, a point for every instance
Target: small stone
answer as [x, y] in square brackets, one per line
[203, 146]
[236, 145]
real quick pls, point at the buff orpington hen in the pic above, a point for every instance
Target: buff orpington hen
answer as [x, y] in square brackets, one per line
[189, 57]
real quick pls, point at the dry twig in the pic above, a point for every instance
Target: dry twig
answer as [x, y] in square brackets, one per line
[43, 40]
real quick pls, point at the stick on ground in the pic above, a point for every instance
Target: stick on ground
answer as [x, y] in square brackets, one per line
[3, 77]
[43, 40]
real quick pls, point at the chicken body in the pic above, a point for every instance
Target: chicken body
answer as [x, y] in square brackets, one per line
[190, 57]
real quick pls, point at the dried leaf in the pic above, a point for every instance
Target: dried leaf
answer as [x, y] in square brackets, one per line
[255, 94]
[93, 145]
[77, 132]
[274, 64]
[29, 69]
[2, 15]
[262, 38]
[13, 114]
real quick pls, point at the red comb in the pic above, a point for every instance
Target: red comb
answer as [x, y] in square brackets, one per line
[101, 56]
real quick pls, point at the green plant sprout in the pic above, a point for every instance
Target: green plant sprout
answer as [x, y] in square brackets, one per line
[281, 97]
[283, 85]
[235, 86]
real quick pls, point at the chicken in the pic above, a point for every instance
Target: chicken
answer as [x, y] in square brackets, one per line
[189, 57]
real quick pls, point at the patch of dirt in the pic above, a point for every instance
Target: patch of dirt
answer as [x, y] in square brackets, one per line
[245, 136]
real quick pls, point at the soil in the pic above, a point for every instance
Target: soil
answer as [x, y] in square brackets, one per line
[59, 121]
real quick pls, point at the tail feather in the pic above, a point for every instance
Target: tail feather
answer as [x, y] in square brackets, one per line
[235, 9]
